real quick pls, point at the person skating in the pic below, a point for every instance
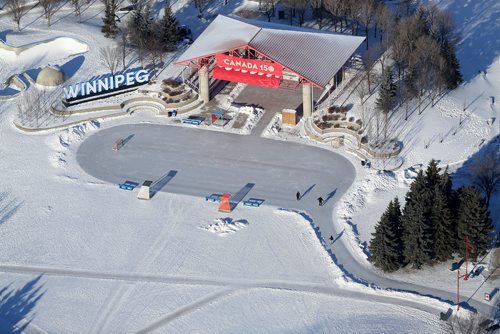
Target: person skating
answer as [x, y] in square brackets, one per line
[320, 201]
[297, 195]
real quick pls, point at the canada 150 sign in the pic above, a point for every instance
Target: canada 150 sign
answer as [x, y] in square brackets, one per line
[250, 65]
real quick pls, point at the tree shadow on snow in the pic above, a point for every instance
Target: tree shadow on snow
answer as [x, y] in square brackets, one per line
[17, 305]
[8, 207]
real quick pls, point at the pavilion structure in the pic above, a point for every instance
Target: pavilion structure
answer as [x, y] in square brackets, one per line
[269, 55]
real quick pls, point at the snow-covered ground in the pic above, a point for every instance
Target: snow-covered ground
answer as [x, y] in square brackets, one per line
[460, 128]
[112, 264]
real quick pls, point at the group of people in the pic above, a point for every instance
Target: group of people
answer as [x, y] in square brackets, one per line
[320, 199]
[320, 202]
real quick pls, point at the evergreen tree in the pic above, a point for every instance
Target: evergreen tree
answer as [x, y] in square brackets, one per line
[415, 222]
[387, 97]
[443, 245]
[169, 30]
[432, 177]
[140, 26]
[386, 244]
[474, 222]
[110, 29]
[451, 200]
[451, 71]
[410, 81]
[387, 93]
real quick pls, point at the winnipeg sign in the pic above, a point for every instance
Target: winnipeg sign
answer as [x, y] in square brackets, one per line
[105, 85]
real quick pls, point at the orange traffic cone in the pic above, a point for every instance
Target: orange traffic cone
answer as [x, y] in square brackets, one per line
[225, 205]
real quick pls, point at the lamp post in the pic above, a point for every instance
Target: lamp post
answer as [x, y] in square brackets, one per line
[458, 289]
[466, 276]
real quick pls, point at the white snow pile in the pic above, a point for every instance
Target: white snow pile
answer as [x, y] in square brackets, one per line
[254, 114]
[275, 127]
[225, 226]
[43, 52]
[225, 100]
[67, 137]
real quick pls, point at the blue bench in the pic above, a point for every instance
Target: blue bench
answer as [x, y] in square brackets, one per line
[256, 202]
[213, 198]
[193, 120]
[128, 185]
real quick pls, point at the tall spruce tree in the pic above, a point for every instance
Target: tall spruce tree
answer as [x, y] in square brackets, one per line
[169, 30]
[443, 239]
[451, 71]
[110, 29]
[416, 239]
[386, 244]
[474, 222]
[387, 93]
[140, 26]
[387, 97]
[451, 200]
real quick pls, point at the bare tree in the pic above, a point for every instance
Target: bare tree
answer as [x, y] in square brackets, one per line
[269, 9]
[77, 5]
[49, 8]
[362, 93]
[17, 9]
[31, 106]
[301, 7]
[369, 60]
[318, 12]
[110, 57]
[428, 61]
[23, 107]
[385, 23]
[367, 10]
[485, 174]
[337, 9]
[200, 4]
[441, 25]
[123, 44]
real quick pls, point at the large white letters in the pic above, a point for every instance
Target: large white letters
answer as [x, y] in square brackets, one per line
[103, 85]
[71, 91]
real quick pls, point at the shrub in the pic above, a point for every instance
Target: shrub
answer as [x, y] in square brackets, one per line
[336, 125]
[359, 122]
[324, 118]
[344, 118]
[175, 93]
[323, 125]
[360, 132]
[351, 119]
[171, 82]
[364, 140]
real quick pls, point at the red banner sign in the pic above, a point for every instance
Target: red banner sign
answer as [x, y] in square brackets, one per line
[246, 78]
[251, 66]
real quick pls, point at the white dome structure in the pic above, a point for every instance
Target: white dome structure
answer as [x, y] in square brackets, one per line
[50, 76]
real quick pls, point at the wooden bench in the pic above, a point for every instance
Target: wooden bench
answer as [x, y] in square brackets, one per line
[255, 202]
[128, 185]
[213, 198]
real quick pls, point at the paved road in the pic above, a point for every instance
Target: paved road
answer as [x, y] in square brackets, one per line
[205, 162]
